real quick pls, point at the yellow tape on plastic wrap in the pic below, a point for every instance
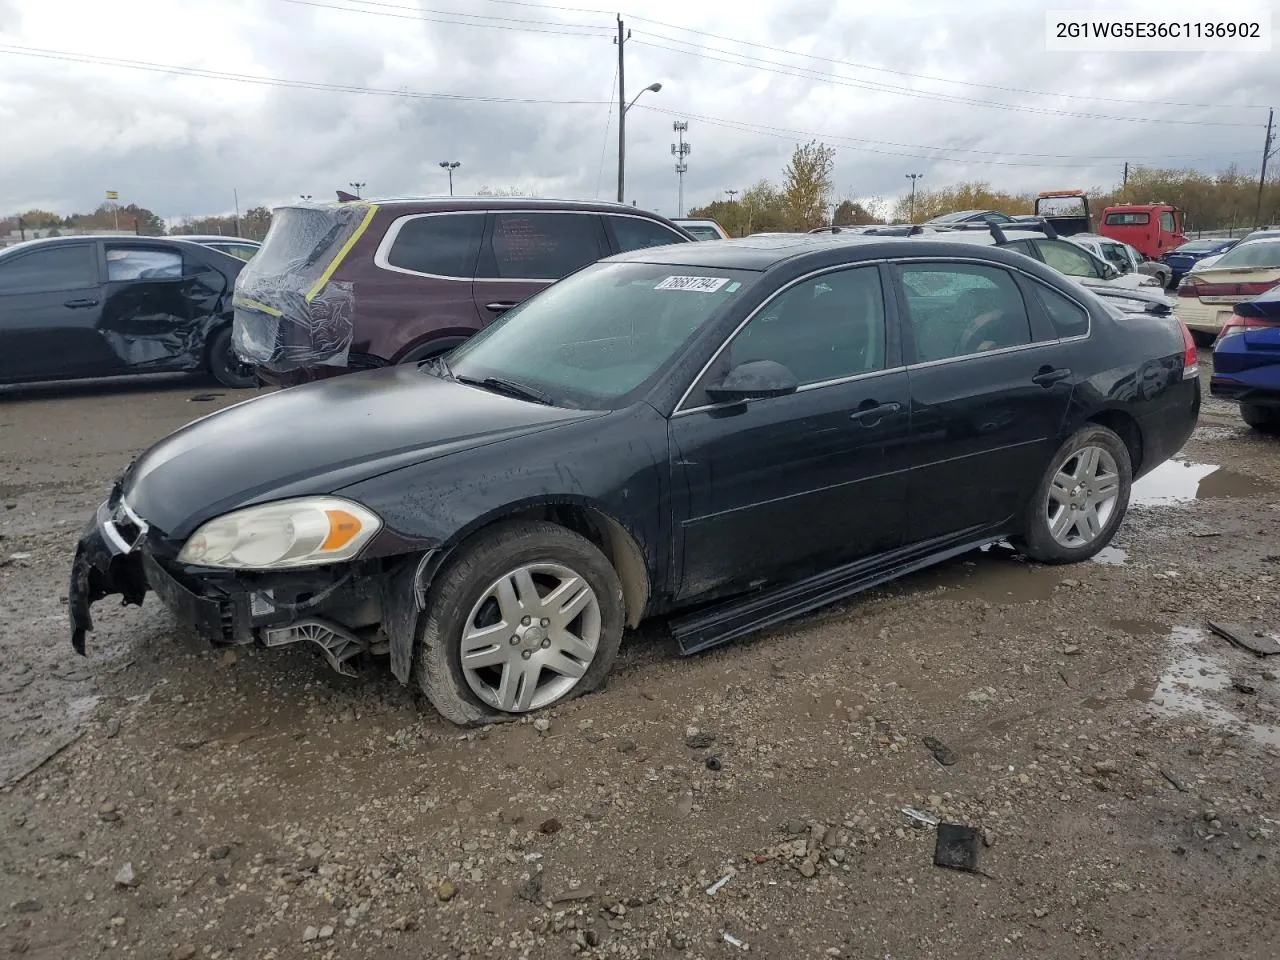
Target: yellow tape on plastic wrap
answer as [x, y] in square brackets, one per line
[346, 248]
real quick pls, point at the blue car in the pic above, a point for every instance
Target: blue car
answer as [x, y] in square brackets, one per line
[1246, 361]
[1182, 259]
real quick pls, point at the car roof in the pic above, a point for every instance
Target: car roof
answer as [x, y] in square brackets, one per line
[211, 238]
[764, 252]
[489, 203]
[27, 245]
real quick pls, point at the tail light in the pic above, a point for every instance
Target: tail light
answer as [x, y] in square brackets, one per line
[1190, 356]
[1238, 324]
[1188, 288]
[1198, 288]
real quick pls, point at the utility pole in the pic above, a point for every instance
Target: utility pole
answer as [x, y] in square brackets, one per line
[620, 40]
[680, 150]
[913, 177]
[1267, 151]
[235, 193]
[1125, 184]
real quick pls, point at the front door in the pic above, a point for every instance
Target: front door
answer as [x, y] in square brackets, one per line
[990, 386]
[771, 490]
[50, 302]
[525, 251]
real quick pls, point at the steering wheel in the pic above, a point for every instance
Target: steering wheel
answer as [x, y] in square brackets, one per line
[972, 340]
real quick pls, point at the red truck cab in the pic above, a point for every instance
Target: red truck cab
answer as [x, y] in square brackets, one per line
[1152, 228]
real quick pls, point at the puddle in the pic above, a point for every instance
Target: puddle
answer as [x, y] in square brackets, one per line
[1188, 685]
[1112, 556]
[996, 574]
[1181, 481]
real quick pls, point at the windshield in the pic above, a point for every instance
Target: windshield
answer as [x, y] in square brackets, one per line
[952, 217]
[702, 231]
[595, 337]
[1263, 254]
[1200, 246]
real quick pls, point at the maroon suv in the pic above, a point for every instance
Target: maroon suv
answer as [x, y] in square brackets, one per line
[344, 286]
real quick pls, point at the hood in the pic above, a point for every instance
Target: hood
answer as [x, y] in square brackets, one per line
[318, 438]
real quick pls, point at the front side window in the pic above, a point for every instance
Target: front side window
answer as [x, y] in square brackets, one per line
[49, 271]
[443, 245]
[1166, 221]
[635, 233]
[1067, 258]
[140, 263]
[597, 337]
[543, 246]
[827, 328]
[956, 310]
[1117, 256]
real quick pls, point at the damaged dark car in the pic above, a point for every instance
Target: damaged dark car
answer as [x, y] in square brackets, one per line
[726, 434]
[77, 307]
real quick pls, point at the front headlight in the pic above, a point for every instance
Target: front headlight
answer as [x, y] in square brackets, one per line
[306, 532]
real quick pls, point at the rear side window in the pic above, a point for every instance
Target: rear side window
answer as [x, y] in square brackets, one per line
[634, 233]
[960, 310]
[47, 271]
[1127, 219]
[1069, 318]
[543, 246]
[139, 263]
[1067, 258]
[444, 245]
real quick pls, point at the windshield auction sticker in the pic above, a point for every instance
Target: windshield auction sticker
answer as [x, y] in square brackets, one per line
[1189, 28]
[693, 284]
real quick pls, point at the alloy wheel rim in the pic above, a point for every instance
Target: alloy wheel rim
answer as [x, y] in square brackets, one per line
[531, 637]
[1082, 497]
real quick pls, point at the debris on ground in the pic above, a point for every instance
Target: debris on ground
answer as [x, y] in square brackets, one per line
[1254, 641]
[941, 752]
[957, 847]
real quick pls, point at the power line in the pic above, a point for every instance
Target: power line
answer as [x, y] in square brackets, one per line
[202, 73]
[804, 73]
[878, 69]
[952, 149]
[469, 19]
[784, 133]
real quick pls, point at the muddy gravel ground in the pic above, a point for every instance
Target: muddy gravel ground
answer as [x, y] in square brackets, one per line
[1118, 760]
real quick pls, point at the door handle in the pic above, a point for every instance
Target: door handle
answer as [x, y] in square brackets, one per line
[1048, 376]
[77, 304]
[869, 413]
[499, 306]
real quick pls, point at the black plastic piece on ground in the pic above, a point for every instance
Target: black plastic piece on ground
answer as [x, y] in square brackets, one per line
[957, 847]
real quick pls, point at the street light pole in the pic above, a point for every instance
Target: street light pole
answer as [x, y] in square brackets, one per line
[448, 166]
[623, 107]
[357, 187]
[913, 177]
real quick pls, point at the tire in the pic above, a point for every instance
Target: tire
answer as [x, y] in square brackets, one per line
[225, 367]
[1078, 541]
[432, 348]
[1262, 419]
[1203, 338]
[464, 593]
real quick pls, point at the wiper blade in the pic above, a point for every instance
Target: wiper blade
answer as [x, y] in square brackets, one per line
[509, 387]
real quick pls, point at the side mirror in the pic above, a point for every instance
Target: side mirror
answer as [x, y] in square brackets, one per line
[1109, 272]
[754, 380]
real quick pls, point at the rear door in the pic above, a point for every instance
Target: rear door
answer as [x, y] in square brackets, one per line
[50, 302]
[990, 385]
[525, 251]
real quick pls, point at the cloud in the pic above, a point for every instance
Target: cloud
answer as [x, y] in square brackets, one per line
[183, 144]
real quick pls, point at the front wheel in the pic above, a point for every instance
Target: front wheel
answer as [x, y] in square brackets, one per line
[1081, 499]
[527, 615]
[225, 366]
[1262, 419]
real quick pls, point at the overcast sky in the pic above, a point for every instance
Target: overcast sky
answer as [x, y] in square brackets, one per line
[938, 87]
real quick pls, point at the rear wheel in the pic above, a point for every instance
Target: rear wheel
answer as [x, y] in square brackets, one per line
[1262, 419]
[225, 366]
[1203, 338]
[528, 615]
[1081, 499]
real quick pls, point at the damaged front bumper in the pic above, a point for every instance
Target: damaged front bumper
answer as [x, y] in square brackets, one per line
[345, 610]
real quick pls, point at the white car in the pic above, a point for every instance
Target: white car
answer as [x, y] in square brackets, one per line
[702, 229]
[1123, 257]
[1068, 258]
[1208, 294]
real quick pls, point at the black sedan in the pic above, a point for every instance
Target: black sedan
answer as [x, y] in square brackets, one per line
[74, 307]
[732, 432]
